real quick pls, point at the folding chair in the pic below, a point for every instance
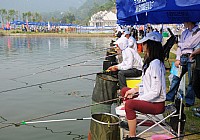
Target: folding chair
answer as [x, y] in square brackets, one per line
[170, 110]
[150, 121]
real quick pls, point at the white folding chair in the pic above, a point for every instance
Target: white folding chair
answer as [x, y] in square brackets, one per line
[170, 110]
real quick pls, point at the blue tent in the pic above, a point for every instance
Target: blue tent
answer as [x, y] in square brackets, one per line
[130, 12]
[17, 22]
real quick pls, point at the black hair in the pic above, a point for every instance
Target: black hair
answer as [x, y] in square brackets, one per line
[155, 51]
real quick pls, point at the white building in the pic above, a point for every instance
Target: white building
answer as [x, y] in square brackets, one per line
[103, 18]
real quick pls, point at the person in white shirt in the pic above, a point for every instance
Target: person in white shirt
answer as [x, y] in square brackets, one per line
[131, 65]
[152, 90]
[131, 41]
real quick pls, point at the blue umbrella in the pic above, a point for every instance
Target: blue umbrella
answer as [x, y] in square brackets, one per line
[132, 12]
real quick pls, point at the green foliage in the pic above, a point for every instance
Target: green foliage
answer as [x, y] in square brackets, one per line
[91, 7]
[81, 15]
[68, 18]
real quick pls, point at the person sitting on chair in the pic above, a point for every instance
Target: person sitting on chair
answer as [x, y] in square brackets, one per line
[152, 90]
[131, 65]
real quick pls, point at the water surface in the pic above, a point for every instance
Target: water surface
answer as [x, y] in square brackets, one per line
[25, 63]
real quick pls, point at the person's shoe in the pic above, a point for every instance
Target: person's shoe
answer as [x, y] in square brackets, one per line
[197, 114]
[133, 138]
[196, 109]
[124, 125]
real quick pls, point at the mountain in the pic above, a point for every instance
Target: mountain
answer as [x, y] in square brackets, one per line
[85, 10]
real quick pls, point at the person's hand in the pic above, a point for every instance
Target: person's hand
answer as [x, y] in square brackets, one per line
[177, 63]
[130, 93]
[113, 68]
[192, 56]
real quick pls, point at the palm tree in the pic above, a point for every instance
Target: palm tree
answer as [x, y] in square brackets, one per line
[11, 14]
[16, 15]
[24, 16]
[29, 15]
[3, 12]
[37, 17]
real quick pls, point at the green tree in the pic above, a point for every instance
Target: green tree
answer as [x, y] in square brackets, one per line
[11, 15]
[24, 16]
[68, 18]
[29, 16]
[3, 13]
[37, 17]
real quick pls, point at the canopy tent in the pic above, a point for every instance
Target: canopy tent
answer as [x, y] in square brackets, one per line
[42, 23]
[131, 12]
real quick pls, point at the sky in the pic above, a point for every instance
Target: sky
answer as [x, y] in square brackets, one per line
[40, 5]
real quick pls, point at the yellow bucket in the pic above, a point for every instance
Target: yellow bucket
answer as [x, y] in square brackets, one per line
[133, 82]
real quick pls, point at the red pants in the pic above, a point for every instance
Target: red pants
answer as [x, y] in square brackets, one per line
[133, 105]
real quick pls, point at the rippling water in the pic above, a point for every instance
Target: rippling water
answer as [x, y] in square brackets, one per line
[25, 63]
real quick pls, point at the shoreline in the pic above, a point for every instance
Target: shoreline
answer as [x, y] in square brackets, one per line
[33, 34]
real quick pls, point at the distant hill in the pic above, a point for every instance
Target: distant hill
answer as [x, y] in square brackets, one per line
[84, 12]
[90, 7]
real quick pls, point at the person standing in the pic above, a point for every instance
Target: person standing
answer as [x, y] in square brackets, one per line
[152, 93]
[183, 53]
[131, 41]
[195, 41]
[131, 65]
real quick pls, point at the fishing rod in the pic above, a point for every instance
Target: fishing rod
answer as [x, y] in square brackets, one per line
[61, 120]
[65, 111]
[44, 83]
[48, 129]
[58, 113]
[69, 65]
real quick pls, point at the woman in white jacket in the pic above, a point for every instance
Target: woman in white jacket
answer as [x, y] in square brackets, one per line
[131, 65]
[152, 91]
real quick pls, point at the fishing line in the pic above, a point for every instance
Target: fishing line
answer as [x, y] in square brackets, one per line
[3, 122]
[77, 136]
[65, 111]
[88, 65]
[89, 79]
[58, 113]
[69, 65]
[74, 57]
[44, 83]
[73, 93]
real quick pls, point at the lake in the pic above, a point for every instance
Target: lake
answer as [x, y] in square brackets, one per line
[41, 76]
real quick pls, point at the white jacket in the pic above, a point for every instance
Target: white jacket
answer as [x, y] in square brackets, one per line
[153, 81]
[131, 59]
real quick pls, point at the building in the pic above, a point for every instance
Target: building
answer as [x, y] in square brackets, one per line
[103, 18]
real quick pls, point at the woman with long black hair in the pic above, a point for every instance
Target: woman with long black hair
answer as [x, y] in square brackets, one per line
[152, 90]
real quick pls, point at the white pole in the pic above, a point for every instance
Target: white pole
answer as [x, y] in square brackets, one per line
[61, 120]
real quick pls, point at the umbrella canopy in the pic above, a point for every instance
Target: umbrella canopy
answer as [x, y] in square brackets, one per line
[130, 12]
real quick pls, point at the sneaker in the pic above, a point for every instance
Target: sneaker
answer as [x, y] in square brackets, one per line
[124, 125]
[197, 114]
[196, 109]
[133, 138]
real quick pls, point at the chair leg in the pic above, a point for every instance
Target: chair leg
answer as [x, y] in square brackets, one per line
[156, 122]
